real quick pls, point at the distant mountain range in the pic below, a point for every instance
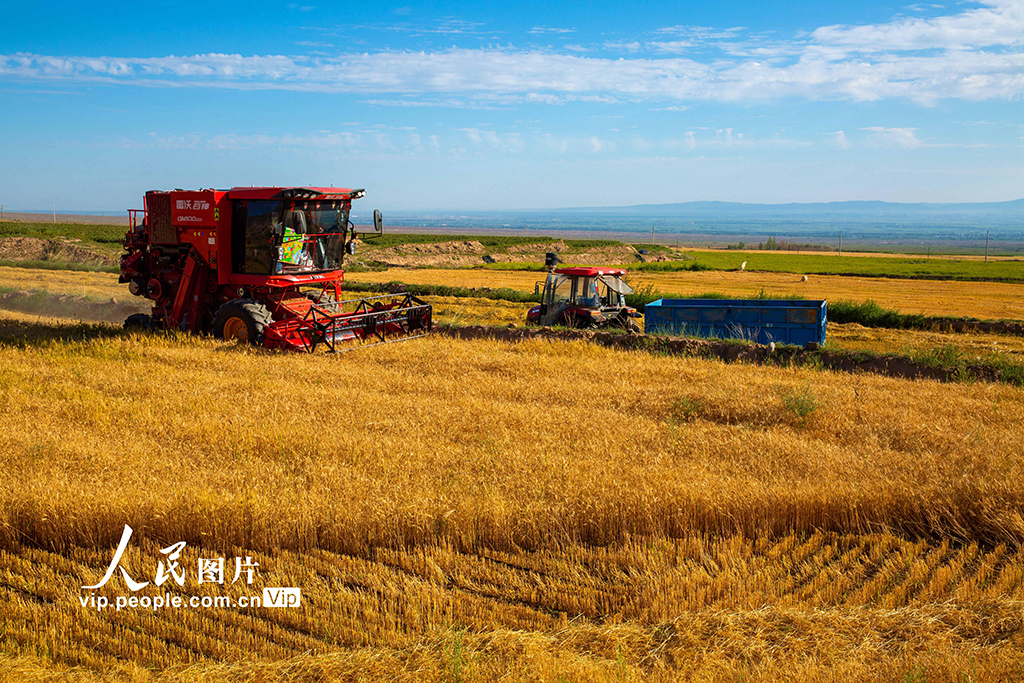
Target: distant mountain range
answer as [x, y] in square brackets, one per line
[860, 210]
[869, 221]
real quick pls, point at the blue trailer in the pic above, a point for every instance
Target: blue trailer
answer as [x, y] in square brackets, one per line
[763, 321]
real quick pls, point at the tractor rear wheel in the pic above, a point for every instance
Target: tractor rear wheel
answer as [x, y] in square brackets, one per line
[576, 322]
[241, 320]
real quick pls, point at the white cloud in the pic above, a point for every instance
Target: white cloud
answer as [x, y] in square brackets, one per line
[639, 143]
[976, 54]
[545, 29]
[622, 46]
[691, 140]
[491, 140]
[323, 140]
[673, 47]
[840, 140]
[1000, 22]
[904, 138]
[701, 33]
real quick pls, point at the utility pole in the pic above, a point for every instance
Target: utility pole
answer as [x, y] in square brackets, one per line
[840, 242]
[55, 212]
[986, 246]
[652, 234]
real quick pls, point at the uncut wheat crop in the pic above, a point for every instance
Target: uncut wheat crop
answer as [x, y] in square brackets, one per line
[984, 300]
[458, 510]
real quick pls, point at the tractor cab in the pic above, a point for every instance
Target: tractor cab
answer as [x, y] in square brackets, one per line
[585, 297]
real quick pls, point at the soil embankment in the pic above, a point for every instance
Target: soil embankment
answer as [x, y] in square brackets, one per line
[459, 253]
[61, 250]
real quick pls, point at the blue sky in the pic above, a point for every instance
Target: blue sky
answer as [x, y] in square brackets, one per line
[533, 105]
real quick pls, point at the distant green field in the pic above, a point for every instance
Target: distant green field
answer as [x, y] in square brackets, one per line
[99, 234]
[496, 241]
[945, 268]
[948, 268]
[493, 241]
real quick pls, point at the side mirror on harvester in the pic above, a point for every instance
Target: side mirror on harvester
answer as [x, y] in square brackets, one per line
[378, 222]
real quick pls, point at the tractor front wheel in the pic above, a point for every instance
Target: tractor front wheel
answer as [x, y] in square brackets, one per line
[241, 320]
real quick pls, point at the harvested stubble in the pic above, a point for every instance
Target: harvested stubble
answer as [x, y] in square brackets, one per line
[556, 509]
[694, 607]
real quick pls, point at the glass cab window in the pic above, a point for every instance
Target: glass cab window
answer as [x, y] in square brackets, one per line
[587, 296]
[312, 237]
[559, 290]
[274, 237]
[253, 235]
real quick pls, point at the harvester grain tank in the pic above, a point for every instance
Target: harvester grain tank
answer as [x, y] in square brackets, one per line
[261, 265]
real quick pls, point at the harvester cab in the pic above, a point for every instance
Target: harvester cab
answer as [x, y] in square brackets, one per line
[584, 297]
[261, 265]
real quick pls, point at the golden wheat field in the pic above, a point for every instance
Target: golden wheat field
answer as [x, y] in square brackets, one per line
[849, 336]
[985, 300]
[457, 510]
[477, 510]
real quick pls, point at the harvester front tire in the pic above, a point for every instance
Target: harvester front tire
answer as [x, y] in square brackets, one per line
[138, 322]
[241, 320]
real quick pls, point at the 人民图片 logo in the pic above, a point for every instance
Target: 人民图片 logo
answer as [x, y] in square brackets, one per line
[208, 571]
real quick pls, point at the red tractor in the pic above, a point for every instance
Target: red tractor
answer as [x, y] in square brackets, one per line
[585, 297]
[261, 265]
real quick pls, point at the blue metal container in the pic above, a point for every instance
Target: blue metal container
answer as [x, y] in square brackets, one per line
[759, 320]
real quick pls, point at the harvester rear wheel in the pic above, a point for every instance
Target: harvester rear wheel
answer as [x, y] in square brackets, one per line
[241, 320]
[138, 321]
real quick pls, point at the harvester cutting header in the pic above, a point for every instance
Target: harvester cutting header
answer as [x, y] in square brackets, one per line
[260, 265]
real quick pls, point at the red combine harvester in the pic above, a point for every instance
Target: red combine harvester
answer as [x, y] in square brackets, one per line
[584, 297]
[261, 265]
